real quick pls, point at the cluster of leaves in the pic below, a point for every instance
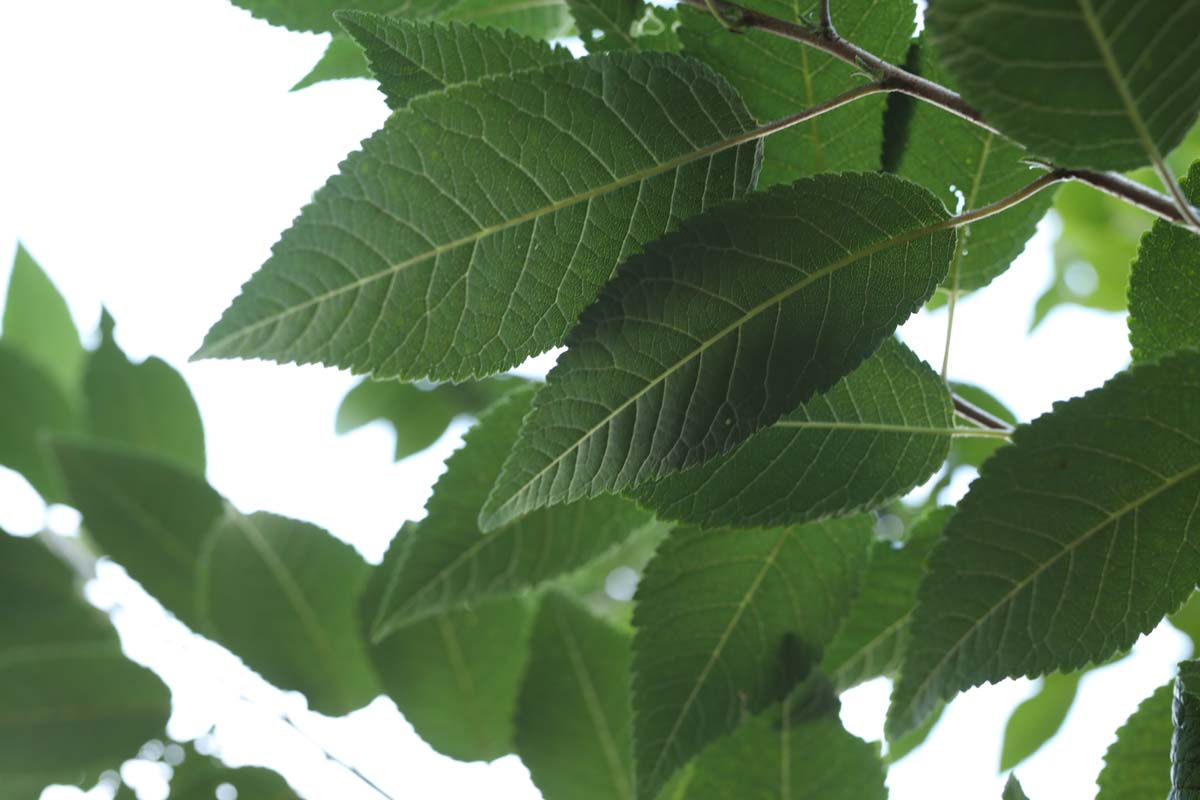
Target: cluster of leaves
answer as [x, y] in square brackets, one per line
[724, 230]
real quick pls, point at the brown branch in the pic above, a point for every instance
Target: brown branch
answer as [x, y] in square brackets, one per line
[970, 411]
[896, 79]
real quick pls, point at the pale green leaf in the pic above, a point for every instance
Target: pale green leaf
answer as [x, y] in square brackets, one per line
[573, 716]
[317, 15]
[903, 745]
[455, 676]
[419, 415]
[414, 58]
[1187, 621]
[879, 432]
[958, 159]
[606, 24]
[870, 643]
[471, 231]
[282, 595]
[1086, 83]
[71, 704]
[343, 59]
[1185, 742]
[1013, 790]
[1076, 539]
[38, 323]
[449, 563]
[1164, 286]
[718, 330]
[1138, 763]
[778, 77]
[541, 19]
[34, 407]
[727, 621]
[1038, 718]
[787, 753]
[146, 405]
[150, 515]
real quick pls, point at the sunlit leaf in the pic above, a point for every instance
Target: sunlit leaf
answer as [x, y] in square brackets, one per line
[38, 323]
[34, 407]
[343, 59]
[1038, 718]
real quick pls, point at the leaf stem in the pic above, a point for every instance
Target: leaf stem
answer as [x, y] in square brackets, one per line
[973, 413]
[1004, 203]
[826, 17]
[897, 79]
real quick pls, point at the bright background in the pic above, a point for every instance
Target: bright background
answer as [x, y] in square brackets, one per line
[150, 154]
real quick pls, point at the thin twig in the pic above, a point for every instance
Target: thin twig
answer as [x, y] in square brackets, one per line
[1004, 203]
[1190, 217]
[827, 29]
[353, 770]
[897, 79]
[973, 413]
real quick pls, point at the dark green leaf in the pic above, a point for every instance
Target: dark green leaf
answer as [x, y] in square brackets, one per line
[718, 330]
[880, 431]
[1037, 719]
[146, 405]
[898, 114]
[343, 59]
[419, 415]
[71, 704]
[606, 24]
[282, 595]
[34, 406]
[958, 159]
[150, 515]
[1086, 83]
[1075, 539]
[455, 676]
[470, 231]
[1013, 790]
[871, 641]
[541, 19]
[786, 754]
[317, 15]
[779, 77]
[573, 717]
[199, 777]
[449, 563]
[38, 323]
[1138, 764]
[1185, 743]
[726, 623]
[1164, 286]
[414, 58]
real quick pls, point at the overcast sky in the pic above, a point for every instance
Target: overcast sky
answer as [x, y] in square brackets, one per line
[150, 155]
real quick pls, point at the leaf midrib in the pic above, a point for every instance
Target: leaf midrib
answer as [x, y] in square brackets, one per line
[1174, 480]
[750, 314]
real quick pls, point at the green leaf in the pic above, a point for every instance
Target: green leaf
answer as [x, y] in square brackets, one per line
[146, 405]
[880, 431]
[200, 777]
[418, 261]
[787, 754]
[317, 15]
[455, 676]
[414, 58]
[343, 59]
[1187, 621]
[34, 406]
[282, 594]
[973, 451]
[871, 641]
[956, 158]
[541, 19]
[1074, 80]
[1185, 743]
[1164, 286]
[71, 704]
[718, 330]
[901, 746]
[1074, 540]
[1013, 790]
[606, 24]
[38, 323]
[1037, 719]
[898, 114]
[419, 415]
[779, 77]
[449, 563]
[726, 623]
[150, 515]
[1138, 763]
[573, 716]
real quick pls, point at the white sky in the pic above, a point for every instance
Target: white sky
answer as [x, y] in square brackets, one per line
[150, 154]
